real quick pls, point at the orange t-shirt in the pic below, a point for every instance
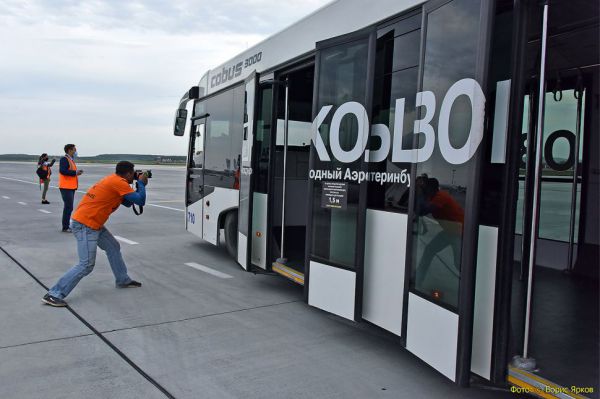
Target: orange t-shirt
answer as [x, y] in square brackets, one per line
[102, 199]
[448, 213]
[446, 208]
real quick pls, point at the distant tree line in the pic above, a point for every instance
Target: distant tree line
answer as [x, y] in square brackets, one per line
[105, 158]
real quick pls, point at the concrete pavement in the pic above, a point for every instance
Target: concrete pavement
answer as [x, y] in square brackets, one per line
[194, 333]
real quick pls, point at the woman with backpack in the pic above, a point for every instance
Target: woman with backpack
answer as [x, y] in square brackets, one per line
[44, 171]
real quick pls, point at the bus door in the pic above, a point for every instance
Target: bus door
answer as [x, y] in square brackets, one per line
[245, 174]
[441, 250]
[195, 177]
[261, 161]
[335, 238]
[555, 311]
[291, 152]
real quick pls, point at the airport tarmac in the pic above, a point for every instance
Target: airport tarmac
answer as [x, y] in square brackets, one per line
[200, 327]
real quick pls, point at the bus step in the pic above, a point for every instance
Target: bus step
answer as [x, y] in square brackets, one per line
[288, 272]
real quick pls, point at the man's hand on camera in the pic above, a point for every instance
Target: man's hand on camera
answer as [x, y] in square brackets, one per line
[144, 179]
[79, 172]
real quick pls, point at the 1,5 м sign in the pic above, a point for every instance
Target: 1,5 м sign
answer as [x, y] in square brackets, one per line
[335, 195]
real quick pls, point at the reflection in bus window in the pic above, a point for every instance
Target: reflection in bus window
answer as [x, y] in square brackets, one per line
[396, 76]
[262, 147]
[450, 55]
[343, 78]
[446, 225]
[198, 147]
[223, 138]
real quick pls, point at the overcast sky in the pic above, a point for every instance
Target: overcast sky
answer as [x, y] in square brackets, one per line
[108, 75]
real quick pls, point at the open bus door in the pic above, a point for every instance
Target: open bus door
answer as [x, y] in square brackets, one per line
[437, 324]
[195, 176]
[439, 317]
[245, 174]
[335, 234]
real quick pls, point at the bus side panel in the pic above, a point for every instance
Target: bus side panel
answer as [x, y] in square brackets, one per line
[194, 218]
[215, 203]
[259, 230]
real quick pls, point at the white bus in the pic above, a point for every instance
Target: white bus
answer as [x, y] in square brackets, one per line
[429, 167]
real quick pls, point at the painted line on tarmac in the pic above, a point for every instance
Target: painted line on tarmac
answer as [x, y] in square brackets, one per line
[167, 207]
[22, 181]
[22, 203]
[5, 197]
[208, 270]
[44, 211]
[97, 333]
[83, 192]
[30, 182]
[126, 241]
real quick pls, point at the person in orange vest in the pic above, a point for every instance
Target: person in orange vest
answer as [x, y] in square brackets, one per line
[68, 183]
[92, 213]
[46, 170]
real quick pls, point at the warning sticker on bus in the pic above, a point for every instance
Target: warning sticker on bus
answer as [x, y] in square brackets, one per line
[335, 195]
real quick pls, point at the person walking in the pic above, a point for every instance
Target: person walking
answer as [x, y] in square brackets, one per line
[44, 172]
[68, 183]
[100, 201]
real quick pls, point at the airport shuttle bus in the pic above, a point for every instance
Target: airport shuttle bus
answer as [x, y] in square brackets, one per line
[430, 168]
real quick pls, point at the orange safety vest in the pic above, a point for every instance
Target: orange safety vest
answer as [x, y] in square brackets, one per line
[68, 182]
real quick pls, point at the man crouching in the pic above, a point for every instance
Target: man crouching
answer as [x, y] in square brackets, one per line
[102, 199]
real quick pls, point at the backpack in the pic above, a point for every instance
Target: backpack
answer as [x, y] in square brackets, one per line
[42, 173]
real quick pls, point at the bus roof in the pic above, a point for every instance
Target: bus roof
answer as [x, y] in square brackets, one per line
[334, 19]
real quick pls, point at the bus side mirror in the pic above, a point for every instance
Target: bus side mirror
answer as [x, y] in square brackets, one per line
[180, 121]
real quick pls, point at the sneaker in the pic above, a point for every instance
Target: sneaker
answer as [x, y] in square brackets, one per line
[45, 202]
[131, 284]
[53, 301]
[67, 230]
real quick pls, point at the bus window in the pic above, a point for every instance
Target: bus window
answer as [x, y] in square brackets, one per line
[197, 159]
[396, 76]
[262, 143]
[223, 138]
[343, 72]
[441, 189]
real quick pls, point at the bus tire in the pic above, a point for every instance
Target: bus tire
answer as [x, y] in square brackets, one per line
[231, 233]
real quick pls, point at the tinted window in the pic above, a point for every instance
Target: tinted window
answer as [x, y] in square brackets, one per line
[262, 146]
[343, 73]
[441, 188]
[400, 53]
[195, 180]
[223, 138]
[197, 155]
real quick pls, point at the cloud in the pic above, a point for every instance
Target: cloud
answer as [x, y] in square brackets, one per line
[105, 73]
[182, 16]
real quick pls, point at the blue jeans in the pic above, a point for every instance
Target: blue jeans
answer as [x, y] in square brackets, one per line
[437, 244]
[87, 242]
[68, 196]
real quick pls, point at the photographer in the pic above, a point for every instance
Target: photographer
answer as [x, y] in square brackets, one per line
[44, 172]
[102, 199]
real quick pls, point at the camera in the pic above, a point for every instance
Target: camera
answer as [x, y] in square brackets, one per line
[138, 173]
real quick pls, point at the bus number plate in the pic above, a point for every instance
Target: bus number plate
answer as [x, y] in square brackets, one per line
[191, 217]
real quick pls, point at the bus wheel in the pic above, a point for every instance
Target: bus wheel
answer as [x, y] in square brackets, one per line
[231, 233]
